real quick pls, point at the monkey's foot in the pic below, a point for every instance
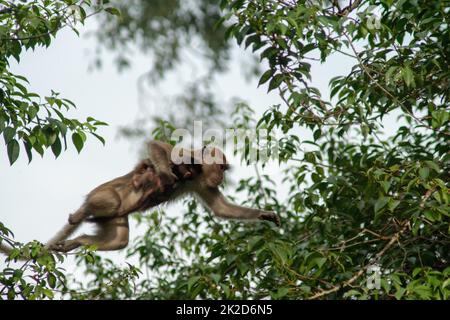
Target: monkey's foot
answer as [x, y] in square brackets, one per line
[64, 246]
[270, 216]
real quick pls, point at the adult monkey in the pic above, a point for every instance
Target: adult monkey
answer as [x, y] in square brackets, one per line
[200, 172]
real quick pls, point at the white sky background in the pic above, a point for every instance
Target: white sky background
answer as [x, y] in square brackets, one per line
[36, 198]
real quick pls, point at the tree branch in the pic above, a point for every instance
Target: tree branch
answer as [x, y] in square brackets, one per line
[364, 69]
[393, 239]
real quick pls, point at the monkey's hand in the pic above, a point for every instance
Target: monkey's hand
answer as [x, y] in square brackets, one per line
[167, 178]
[270, 216]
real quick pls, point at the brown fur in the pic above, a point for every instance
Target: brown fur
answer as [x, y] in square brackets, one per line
[153, 181]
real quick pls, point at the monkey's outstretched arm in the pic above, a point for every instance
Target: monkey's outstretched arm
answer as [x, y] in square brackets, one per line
[221, 207]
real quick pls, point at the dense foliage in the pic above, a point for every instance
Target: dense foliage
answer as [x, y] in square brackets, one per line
[37, 122]
[358, 200]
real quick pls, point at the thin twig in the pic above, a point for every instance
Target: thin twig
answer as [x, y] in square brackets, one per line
[261, 188]
[50, 31]
[349, 282]
[426, 196]
[364, 68]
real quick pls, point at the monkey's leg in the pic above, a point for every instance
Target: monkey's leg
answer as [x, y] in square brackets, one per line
[113, 234]
[104, 202]
[78, 216]
[123, 210]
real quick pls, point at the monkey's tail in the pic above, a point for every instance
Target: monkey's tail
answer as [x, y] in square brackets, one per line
[63, 234]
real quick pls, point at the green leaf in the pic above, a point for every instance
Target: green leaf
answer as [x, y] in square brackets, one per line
[386, 185]
[101, 139]
[48, 293]
[8, 134]
[433, 165]
[439, 118]
[230, 258]
[2, 124]
[275, 82]
[393, 204]
[192, 280]
[307, 48]
[352, 293]
[380, 204]
[57, 147]
[424, 173]
[445, 284]
[400, 292]
[77, 141]
[28, 150]
[281, 292]
[11, 294]
[216, 277]
[265, 77]
[320, 262]
[317, 134]
[416, 271]
[113, 11]
[408, 76]
[390, 73]
[51, 279]
[13, 151]
[268, 53]
[237, 4]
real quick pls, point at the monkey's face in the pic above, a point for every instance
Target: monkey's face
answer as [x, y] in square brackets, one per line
[214, 174]
[214, 167]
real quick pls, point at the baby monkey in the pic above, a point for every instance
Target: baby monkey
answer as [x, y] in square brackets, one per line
[146, 176]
